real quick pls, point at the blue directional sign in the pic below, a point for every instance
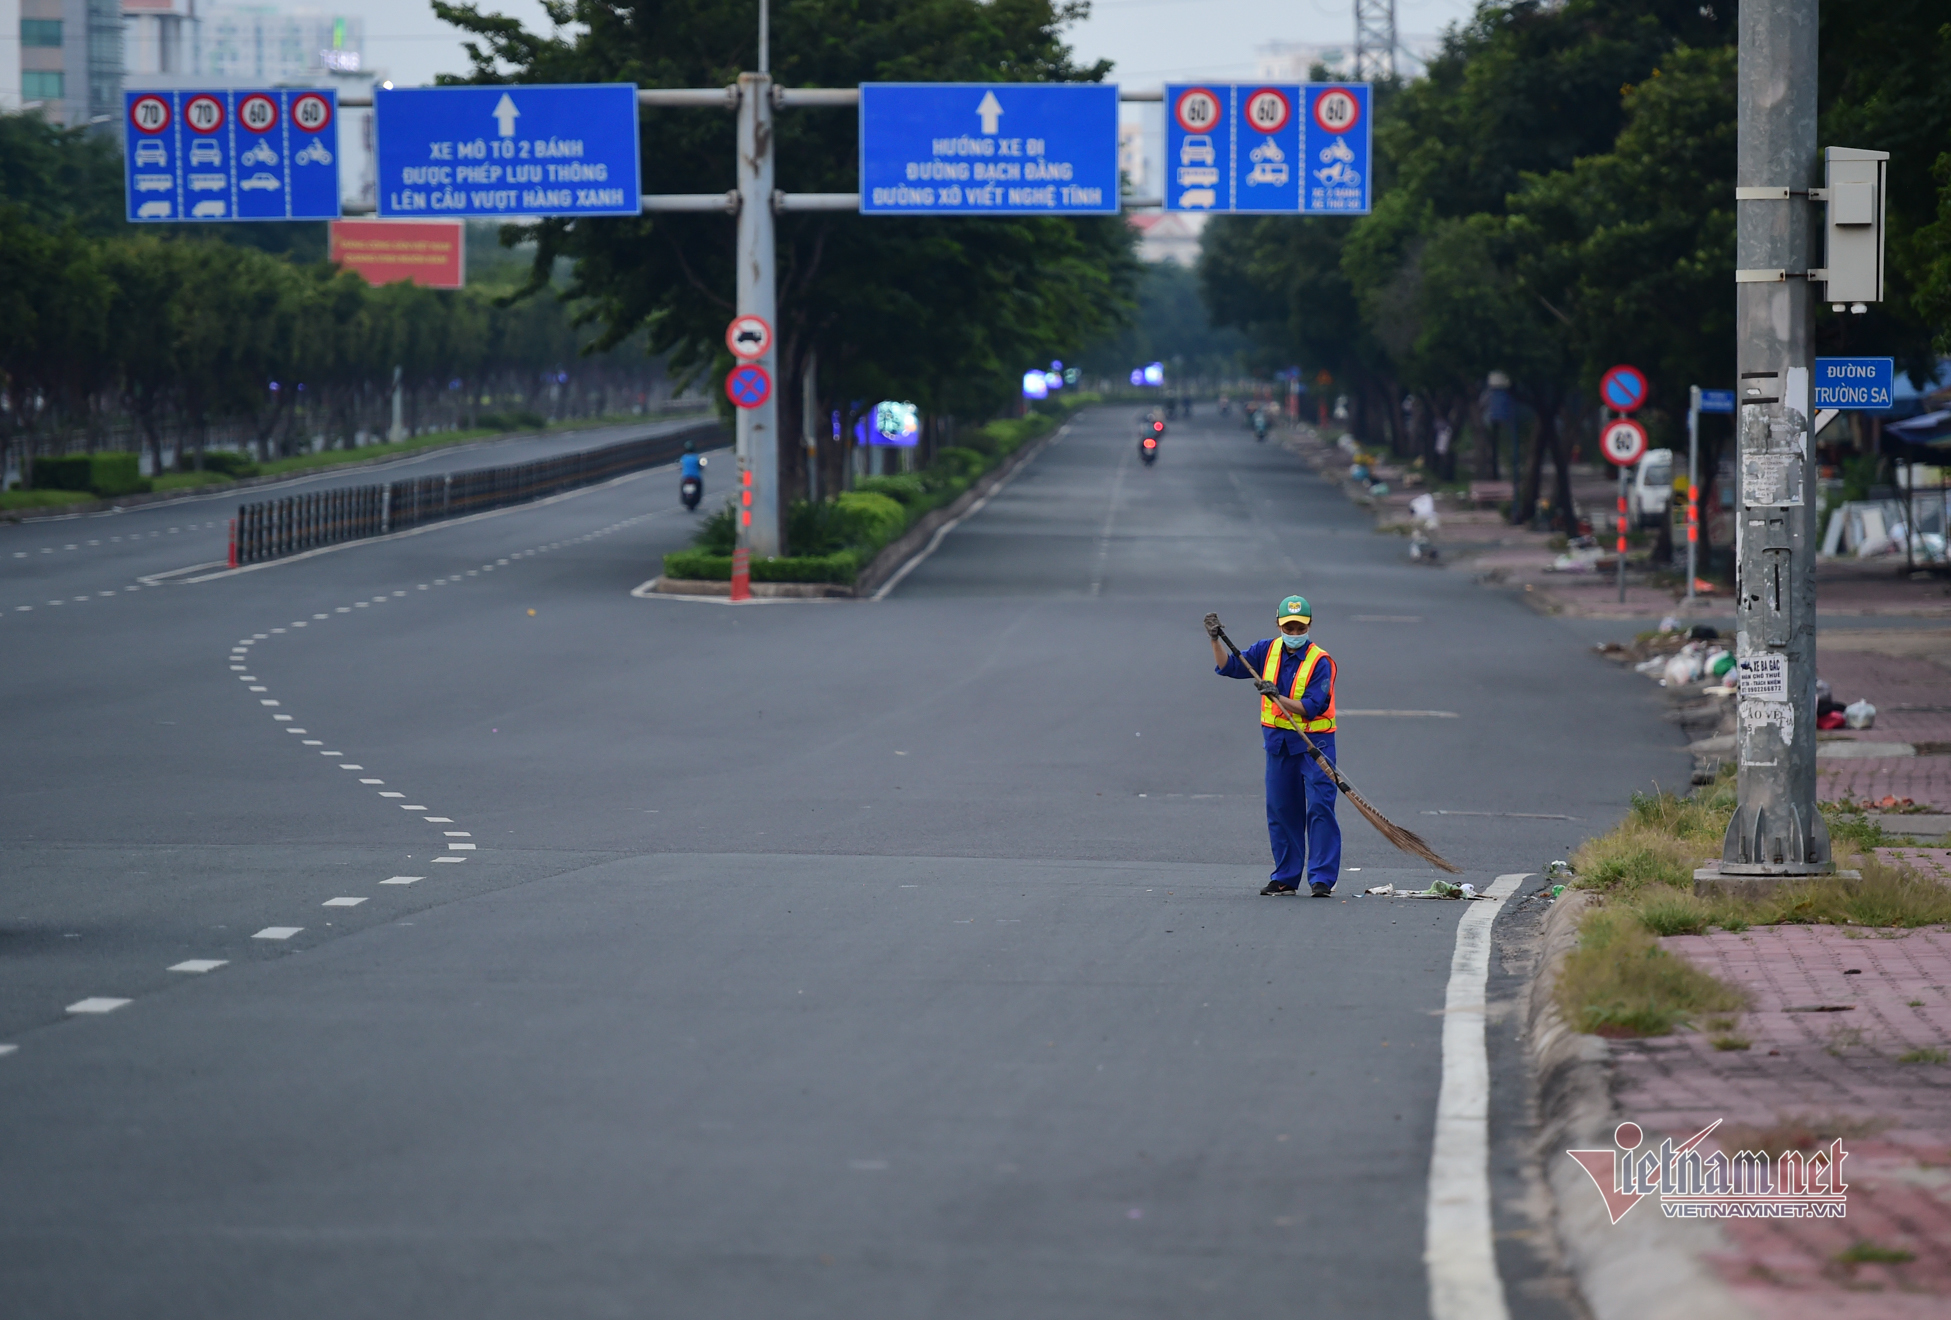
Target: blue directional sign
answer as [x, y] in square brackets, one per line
[1276, 148]
[231, 155]
[988, 149]
[1855, 382]
[513, 149]
[1717, 401]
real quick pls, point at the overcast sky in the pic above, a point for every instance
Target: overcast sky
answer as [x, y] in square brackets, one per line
[1150, 40]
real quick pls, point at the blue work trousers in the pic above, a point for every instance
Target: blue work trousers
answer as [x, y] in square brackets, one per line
[1301, 817]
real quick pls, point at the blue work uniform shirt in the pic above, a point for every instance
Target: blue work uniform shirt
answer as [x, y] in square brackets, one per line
[1313, 701]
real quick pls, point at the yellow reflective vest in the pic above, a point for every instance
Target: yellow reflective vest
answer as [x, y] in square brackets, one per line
[1272, 716]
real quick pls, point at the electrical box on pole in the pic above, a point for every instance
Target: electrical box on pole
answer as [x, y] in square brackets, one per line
[1856, 187]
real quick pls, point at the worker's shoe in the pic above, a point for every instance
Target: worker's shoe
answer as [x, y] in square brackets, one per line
[1319, 890]
[1275, 889]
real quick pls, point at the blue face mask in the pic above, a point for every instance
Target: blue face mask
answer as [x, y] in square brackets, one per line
[1293, 643]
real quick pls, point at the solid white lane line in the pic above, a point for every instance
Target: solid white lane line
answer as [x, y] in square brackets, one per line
[1458, 1250]
[96, 1005]
[277, 932]
[403, 879]
[342, 902]
[199, 965]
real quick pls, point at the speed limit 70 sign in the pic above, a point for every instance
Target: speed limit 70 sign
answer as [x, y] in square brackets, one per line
[1623, 441]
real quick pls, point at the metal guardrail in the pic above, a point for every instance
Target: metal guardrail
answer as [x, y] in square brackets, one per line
[277, 529]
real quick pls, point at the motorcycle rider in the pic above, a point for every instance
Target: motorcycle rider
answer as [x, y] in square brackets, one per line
[691, 467]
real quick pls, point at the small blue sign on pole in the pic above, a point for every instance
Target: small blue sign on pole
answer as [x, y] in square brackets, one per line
[1717, 401]
[513, 149]
[226, 154]
[1855, 382]
[1267, 148]
[988, 149]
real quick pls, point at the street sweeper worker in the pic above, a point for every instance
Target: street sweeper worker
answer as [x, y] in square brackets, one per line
[1296, 681]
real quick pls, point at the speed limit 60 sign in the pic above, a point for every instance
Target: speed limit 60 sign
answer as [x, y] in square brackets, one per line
[1268, 148]
[231, 155]
[1623, 442]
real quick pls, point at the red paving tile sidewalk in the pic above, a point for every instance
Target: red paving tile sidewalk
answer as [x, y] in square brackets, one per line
[1820, 1064]
[1913, 701]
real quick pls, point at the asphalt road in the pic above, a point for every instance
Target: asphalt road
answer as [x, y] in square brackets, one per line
[76, 559]
[645, 957]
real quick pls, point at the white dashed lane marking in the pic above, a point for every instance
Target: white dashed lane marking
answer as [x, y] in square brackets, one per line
[96, 1005]
[402, 879]
[342, 902]
[200, 965]
[277, 932]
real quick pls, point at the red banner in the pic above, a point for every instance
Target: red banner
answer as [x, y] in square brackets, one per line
[430, 253]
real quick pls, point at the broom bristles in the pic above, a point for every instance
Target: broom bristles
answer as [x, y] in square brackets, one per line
[1407, 840]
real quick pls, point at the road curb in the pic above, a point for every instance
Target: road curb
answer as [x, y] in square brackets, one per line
[1644, 1267]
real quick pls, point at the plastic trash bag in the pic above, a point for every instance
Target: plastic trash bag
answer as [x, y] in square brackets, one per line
[1859, 714]
[1670, 624]
[1684, 666]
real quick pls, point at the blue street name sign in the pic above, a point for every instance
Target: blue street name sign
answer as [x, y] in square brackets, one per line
[227, 154]
[514, 149]
[1276, 148]
[1717, 401]
[988, 149]
[1855, 382]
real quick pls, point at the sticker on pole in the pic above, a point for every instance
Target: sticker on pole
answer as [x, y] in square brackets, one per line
[1623, 441]
[749, 337]
[1623, 388]
[1762, 677]
[748, 386]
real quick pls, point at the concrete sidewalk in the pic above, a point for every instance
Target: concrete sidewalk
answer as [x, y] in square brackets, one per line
[1912, 695]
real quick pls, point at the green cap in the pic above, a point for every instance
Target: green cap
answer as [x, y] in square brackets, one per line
[1295, 607]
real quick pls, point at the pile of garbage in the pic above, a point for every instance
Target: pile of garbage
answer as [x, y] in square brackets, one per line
[1582, 555]
[1677, 656]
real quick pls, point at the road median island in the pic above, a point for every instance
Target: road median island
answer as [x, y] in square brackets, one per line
[865, 535]
[1813, 1016]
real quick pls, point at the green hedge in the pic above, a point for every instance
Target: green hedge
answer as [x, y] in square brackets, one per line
[841, 535]
[99, 474]
[223, 462]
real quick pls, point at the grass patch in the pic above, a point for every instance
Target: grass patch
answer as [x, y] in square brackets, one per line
[1731, 1042]
[1619, 982]
[1646, 864]
[43, 499]
[1926, 1054]
[1869, 1253]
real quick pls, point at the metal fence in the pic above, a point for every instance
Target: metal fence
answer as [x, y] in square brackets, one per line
[274, 529]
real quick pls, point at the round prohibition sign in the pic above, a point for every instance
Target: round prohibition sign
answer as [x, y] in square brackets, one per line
[1336, 110]
[748, 386]
[311, 112]
[749, 337]
[204, 114]
[1267, 110]
[1197, 110]
[258, 113]
[1623, 388]
[149, 114]
[1623, 441]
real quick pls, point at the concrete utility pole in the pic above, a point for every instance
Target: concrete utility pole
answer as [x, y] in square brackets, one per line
[758, 428]
[1776, 832]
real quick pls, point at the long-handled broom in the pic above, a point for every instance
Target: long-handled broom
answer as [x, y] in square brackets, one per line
[1407, 840]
